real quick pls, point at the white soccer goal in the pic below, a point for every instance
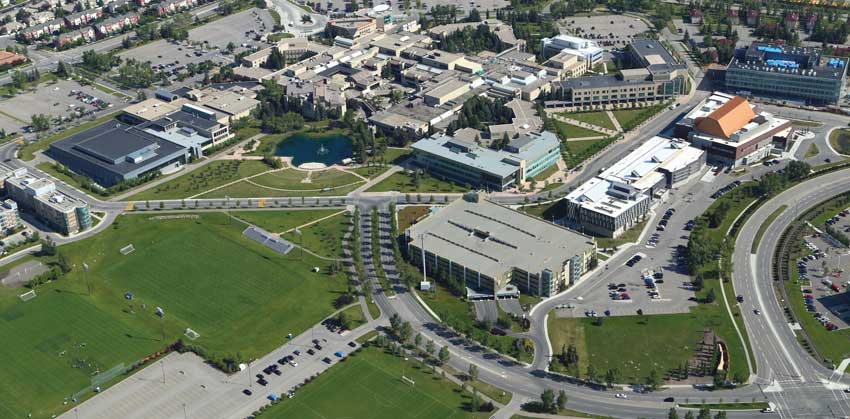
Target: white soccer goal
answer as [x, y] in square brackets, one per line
[126, 250]
[408, 380]
[29, 295]
[191, 334]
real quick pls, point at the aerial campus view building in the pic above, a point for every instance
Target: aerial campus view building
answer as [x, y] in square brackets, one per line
[732, 131]
[488, 247]
[65, 214]
[468, 163]
[656, 76]
[803, 74]
[620, 197]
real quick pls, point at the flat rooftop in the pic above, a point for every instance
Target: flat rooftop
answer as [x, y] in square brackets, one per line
[493, 239]
[646, 159]
[106, 145]
[468, 154]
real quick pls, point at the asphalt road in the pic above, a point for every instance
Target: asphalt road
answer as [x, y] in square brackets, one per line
[790, 377]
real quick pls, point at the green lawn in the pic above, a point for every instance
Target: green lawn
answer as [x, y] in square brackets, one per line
[840, 141]
[291, 179]
[324, 237]
[212, 175]
[407, 215]
[240, 296]
[598, 118]
[549, 171]
[547, 211]
[245, 189]
[280, 221]
[634, 348]
[576, 152]
[630, 236]
[402, 182]
[567, 131]
[27, 152]
[630, 118]
[355, 316]
[812, 151]
[368, 385]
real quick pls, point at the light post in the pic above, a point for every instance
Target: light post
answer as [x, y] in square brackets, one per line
[86, 277]
[300, 243]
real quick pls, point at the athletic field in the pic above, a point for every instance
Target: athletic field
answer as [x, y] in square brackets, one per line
[241, 297]
[369, 385]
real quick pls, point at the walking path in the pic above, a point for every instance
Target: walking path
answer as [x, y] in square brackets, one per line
[581, 124]
[188, 168]
[614, 121]
[376, 180]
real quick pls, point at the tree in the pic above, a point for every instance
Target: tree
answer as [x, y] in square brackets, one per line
[704, 413]
[63, 70]
[405, 331]
[710, 297]
[562, 400]
[48, 247]
[444, 355]
[672, 414]
[276, 60]
[418, 339]
[653, 380]
[306, 18]
[474, 402]
[689, 415]
[548, 401]
[473, 372]
[64, 264]
[40, 122]
[429, 347]
[720, 415]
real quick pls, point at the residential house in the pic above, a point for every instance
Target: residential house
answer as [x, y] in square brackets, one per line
[173, 6]
[116, 24]
[79, 19]
[753, 17]
[696, 16]
[85, 34]
[36, 32]
[792, 20]
[733, 17]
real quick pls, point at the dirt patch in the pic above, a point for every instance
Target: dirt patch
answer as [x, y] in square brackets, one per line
[18, 276]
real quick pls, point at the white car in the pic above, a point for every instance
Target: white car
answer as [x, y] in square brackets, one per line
[293, 363]
[621, 396]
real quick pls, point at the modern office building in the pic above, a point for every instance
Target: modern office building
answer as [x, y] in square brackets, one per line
[9, 218]
[114, 152]
[585, 49]
[732, 131]
[488, 247]
[59, 211]
[657, 77]
[466, 162]
[787, 73]
[351, 27]
[620, 197]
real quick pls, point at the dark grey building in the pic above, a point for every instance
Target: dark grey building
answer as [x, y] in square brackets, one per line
[113, 152]
[782, 72]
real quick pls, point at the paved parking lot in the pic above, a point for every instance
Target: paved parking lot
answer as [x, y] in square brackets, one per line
[51, 98]
[253, 22]
[826, 269]
[182, 385]
[610, 31]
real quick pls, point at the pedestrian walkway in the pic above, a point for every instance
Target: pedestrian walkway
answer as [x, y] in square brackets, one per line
[584, 125]
[614, 121]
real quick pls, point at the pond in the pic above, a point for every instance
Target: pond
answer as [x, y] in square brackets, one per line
[305, 148]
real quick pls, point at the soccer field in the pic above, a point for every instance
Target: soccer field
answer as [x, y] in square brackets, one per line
[368, 385]
[241, 297]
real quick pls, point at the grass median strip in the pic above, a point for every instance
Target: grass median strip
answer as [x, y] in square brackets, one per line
[766, 223]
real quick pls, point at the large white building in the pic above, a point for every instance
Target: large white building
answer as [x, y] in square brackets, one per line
[732, 131]
[584, 48]
[619, 197]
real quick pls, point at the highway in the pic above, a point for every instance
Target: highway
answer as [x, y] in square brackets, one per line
[793, 379]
